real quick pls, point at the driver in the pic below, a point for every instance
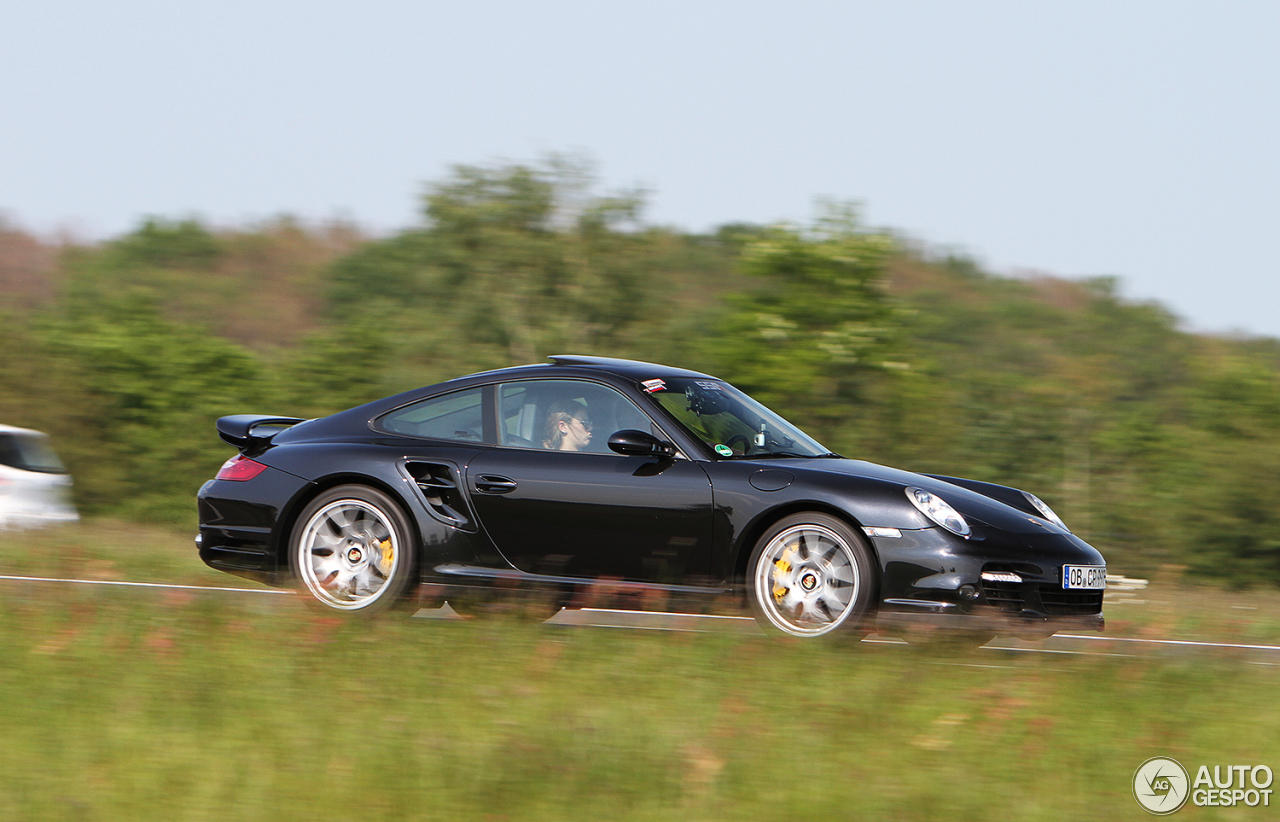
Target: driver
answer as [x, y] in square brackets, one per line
[568, 427]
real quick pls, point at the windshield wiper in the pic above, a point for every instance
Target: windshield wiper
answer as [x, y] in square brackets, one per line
[792, 454]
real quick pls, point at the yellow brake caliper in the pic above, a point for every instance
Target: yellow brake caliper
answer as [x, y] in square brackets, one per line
[782, 565]
[388, 554]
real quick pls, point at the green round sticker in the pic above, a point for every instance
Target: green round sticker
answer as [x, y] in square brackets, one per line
[724, 450]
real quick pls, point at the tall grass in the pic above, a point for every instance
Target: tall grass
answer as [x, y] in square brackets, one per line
[127, 704]
[131, 704]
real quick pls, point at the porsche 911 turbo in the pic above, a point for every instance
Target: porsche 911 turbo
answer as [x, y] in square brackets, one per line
[589, 474]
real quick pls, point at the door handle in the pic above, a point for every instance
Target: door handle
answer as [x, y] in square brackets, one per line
[494, 484]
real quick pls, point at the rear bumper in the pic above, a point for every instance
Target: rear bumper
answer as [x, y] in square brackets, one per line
[240, 554]
[238, 524]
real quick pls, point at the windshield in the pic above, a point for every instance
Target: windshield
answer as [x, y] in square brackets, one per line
[29, 452]
[731, 424]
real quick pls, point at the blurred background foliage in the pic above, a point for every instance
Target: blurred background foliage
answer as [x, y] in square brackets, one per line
[1157, 445]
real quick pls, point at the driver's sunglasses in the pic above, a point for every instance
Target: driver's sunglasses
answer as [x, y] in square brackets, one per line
[586, 424]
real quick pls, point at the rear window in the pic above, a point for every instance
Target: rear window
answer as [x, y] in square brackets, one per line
[29, 452]
[456, 416]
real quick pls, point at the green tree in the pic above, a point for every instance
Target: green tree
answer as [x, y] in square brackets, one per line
[819, 322]
[331, 371]
[513, 263]
[142, 392]
[163, 243]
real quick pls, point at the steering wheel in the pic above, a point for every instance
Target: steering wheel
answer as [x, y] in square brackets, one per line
[746, 442]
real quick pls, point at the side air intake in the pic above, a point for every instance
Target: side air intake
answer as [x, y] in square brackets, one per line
[440, 487]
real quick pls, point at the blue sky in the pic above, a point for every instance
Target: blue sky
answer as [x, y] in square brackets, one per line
[1088, 138]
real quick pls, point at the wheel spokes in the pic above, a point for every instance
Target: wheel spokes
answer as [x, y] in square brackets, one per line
[802, 546]
[807, 574]
[348, 553]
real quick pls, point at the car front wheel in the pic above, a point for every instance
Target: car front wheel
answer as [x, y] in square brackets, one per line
[352, 550]
[811, 575]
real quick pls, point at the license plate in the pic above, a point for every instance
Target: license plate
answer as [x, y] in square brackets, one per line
[1084, 576]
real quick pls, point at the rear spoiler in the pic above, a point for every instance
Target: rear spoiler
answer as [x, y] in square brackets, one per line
[239, 429]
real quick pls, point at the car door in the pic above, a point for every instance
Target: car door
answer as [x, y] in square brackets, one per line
[590, 512]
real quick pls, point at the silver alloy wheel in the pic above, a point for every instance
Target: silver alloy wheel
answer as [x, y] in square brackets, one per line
[348, 553]
[806, 580]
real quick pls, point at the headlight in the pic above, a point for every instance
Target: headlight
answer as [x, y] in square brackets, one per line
[936, 508]
[1045, 510]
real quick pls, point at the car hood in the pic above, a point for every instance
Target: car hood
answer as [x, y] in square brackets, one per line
[979, 509]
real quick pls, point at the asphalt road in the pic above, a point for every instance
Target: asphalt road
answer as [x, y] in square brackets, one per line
[1060, 644]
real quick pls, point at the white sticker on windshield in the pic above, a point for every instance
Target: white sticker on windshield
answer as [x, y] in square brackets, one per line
[710, 386]
[653, 385]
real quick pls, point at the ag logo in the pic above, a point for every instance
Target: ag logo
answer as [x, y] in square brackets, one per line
[1161, 785]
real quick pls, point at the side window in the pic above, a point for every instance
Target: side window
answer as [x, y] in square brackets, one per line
[9, 454]
[564, 415]
[456, 416]
[29, 452]
[518, 415]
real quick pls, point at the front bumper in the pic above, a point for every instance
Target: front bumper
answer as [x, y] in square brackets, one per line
[1002, 583]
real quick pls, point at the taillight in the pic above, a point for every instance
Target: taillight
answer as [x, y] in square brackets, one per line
[239, 469]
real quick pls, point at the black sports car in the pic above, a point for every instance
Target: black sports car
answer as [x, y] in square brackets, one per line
[593, 474]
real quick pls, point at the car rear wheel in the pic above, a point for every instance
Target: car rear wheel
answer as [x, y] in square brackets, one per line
[811, 575]
[352, 550]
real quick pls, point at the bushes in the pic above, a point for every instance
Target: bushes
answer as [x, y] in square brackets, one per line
[1154, 444]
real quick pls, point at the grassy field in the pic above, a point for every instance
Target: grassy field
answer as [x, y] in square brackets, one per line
[108, 550]
[129, 704]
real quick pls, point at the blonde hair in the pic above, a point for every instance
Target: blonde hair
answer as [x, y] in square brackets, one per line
[560, 412]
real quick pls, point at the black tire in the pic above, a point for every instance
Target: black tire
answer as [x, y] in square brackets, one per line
[352, 550]
[810, 576]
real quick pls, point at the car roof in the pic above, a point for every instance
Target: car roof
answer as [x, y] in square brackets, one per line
[628, 368]
[13, 429]
[562, 366]
[633, 369]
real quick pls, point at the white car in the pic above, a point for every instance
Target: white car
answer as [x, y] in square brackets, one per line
[34, 487]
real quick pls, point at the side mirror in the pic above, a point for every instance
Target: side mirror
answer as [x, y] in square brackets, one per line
[640, 444]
